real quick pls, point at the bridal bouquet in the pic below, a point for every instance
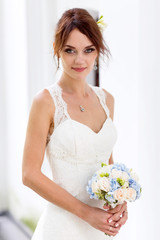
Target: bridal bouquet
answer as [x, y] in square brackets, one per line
[114, 184]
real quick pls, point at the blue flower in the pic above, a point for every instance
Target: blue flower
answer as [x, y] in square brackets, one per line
[122, 167]
[89, 188]
[109, 198]
[114, 185]
[133, 184]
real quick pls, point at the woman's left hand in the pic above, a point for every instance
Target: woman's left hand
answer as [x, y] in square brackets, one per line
[120, 214]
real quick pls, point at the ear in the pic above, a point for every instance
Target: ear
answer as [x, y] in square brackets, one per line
[97, 59]
[59, 54]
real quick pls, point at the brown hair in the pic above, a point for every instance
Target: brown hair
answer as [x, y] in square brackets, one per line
[78, 18]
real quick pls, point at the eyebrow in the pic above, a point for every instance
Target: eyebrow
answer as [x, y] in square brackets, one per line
[75, 48]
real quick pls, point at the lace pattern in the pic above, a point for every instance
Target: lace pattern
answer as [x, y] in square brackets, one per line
[102, 97]
[61, 113]
[60, 107]
[63, 155]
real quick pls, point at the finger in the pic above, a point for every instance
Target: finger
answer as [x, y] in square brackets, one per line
[118, 208]
[118, 215]
[123, 220]
[107, 207]
[112, 230]
[115, 217]
[125, 211]
[112, 224]
[110, 234]
[115, 210]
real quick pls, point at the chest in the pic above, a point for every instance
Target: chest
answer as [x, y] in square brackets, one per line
[93, 115]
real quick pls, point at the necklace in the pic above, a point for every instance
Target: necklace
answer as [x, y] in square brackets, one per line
[81, 108]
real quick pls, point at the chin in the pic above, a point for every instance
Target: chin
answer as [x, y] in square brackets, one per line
[77, 75]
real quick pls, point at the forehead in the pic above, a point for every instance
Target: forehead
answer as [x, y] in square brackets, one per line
[78, 39]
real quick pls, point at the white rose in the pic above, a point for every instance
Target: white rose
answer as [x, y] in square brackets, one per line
[126, 184]
[134, 176]
[116, 173]
[95, 186]
[108, 168]
[130, 194]
[104, 169]
[104, 184]
[119, 194]
[125, 176]
[101, 24]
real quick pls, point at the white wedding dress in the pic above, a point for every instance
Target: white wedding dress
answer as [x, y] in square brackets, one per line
[74, 152]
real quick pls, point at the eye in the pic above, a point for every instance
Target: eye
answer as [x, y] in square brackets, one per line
[89, 50]
[69, 50]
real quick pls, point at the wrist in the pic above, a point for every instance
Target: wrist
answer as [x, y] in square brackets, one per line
[83, 211]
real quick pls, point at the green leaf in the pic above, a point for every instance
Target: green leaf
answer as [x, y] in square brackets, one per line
[120, 181]
[103, 164]
[101, 174]
[104, 174]
[107, 174]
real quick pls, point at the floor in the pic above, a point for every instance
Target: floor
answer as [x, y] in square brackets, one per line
[10, 229]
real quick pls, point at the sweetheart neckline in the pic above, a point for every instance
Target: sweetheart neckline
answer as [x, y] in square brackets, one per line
[69, 117]
[96, 133]
[83, 125]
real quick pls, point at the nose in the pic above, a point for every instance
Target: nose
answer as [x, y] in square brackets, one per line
[79, 59]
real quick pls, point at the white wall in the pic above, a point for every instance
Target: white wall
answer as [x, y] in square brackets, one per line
[14, 96]
[3, 128]
[132, 77]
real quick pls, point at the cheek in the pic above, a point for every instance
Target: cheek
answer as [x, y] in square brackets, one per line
[66, 61]
[93, 58]
[91, 61]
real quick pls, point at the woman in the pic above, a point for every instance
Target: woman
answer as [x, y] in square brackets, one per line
[73, 122]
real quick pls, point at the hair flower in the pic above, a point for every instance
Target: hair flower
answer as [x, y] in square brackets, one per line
[101, 24]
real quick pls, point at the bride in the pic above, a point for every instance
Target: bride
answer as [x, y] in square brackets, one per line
[73, 122]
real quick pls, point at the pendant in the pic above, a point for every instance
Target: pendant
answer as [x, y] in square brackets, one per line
[81, 108]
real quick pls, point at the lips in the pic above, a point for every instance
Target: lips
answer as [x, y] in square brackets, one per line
[79, 69]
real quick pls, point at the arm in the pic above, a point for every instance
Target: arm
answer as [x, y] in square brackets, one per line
[40, 118]
[120, 209]
[110, 104]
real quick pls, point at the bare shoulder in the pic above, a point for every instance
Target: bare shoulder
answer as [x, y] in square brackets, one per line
[40, 116]
[39, 122]
[43, 97]
[110, 102]
[43, 103]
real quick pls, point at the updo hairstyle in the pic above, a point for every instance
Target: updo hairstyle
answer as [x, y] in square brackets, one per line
[81, 19]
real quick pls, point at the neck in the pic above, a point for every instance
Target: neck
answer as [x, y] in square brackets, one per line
[73, 86]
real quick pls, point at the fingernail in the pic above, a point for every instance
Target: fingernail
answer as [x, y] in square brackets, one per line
[117, 225]
[110, 220]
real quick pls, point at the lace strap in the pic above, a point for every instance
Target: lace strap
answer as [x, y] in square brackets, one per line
[102, 97]
[60, 114]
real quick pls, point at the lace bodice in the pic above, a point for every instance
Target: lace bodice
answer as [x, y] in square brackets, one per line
[75, 153]
[74, 150]
[61, 113]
